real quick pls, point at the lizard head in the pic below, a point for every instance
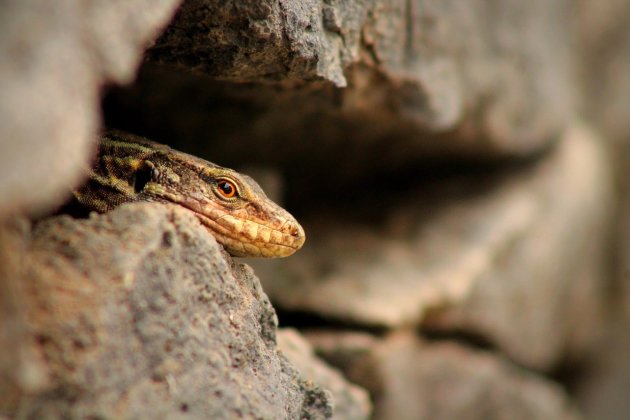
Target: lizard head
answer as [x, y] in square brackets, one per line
[231, 205]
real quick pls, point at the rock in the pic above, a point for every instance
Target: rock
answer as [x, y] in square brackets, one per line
[603, 390]
[437, 62]
[139, 313]
[513, 256]
[350, 401]
[556, 279]
[604, 41]
[350, 88]
[414, 379]
[54, 60]
[257, 40]
[136, 313]
[18, 363]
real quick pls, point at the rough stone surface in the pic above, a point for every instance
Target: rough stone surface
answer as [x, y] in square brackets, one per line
[422, 78]
[258, 40]
[350, 101]
[416, 380]
[54, 58]
[350, 401]
[141, 314]
[515, 257]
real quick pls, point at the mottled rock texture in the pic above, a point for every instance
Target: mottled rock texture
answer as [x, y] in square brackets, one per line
[362, 107]
[416, 380]
[514, 256]
[437, 62]
[350, 401]
[54, 59]
[342, 81]
[141, 314]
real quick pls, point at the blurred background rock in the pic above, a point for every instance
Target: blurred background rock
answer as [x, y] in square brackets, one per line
[460, 169]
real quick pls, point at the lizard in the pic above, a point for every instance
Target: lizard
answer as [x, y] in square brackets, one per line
[230, 205]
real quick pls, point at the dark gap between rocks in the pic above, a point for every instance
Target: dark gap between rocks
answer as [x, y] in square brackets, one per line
[305, 321]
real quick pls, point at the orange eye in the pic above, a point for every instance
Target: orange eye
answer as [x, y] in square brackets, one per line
[226, 188]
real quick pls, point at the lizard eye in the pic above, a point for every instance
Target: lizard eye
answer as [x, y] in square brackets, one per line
[226, 188]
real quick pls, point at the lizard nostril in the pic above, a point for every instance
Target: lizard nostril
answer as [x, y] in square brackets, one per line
[294, 231]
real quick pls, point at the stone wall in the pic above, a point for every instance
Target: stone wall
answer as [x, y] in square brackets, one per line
[459, 168]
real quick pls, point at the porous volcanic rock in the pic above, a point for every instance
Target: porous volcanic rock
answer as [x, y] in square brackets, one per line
[358, 86]
[139, 313]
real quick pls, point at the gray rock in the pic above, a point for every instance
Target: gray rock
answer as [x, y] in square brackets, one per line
[54, 60]
[139, 313]
[516, 257]
[350, 401]
[476, 77]
[416, 380]
[264, 40]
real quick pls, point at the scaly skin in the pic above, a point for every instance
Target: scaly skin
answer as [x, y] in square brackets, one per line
[232, 206]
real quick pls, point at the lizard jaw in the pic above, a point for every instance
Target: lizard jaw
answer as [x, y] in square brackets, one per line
[248, 238]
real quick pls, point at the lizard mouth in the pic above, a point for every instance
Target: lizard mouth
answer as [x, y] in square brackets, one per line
[248, 238]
